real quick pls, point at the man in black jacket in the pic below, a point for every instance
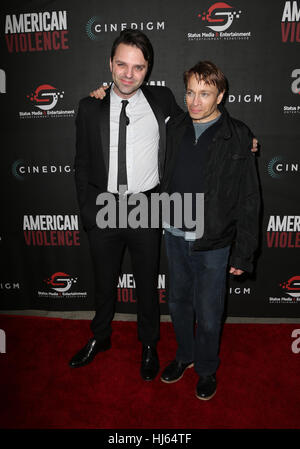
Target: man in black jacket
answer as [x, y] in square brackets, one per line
[120, 144]
[207, 151]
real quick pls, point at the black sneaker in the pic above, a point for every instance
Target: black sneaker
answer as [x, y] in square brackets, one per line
[206, 387]
[174, 371]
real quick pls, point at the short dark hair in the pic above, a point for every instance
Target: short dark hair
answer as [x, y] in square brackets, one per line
[137, 39]
[209, 73]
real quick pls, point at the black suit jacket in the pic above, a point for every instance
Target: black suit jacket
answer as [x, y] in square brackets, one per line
[92, 145]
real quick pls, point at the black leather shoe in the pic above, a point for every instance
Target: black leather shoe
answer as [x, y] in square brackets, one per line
[87, 354]
[206, 387]
[150, 363]
[174, 371]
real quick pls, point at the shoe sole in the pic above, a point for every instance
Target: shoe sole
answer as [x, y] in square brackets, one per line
[206, 399]
[149, 379]
[178, 378]
[145, 379]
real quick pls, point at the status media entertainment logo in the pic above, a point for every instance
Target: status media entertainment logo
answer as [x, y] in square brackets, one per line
[45, 98]
[60, 284]
[219, 16]
[292, 288]
[218, 19]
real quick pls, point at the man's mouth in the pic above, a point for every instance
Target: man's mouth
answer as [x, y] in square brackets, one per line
[126, 82]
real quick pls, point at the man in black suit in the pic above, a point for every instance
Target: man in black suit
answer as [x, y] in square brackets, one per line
[120, 141]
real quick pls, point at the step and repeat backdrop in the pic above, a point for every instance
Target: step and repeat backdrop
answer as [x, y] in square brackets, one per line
[53, 53]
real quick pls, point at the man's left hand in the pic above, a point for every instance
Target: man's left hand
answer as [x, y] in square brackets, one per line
[254, 145]
[100, 92]
[236, 271]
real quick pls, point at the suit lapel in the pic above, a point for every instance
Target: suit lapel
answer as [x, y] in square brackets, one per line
[174, 139]
[104, 109]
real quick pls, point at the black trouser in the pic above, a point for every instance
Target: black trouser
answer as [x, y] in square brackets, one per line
[107, 248]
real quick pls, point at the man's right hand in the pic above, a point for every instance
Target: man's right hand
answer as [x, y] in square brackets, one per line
[100, 92]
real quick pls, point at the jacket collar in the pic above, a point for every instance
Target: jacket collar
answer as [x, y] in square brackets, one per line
[224, 131]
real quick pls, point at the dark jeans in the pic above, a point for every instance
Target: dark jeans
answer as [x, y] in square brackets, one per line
[196, 292]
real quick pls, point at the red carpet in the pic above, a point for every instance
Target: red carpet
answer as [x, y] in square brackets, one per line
[258, 380]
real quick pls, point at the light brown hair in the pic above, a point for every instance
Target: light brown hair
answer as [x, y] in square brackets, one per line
[209, 73]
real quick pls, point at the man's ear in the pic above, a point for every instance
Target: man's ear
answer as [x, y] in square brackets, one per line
[110, 64]
[220, 96]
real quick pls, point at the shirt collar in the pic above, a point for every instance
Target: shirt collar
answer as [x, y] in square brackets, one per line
[114, 98]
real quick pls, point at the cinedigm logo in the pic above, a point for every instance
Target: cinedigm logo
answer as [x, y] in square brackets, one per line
[216, 20]
[95, 27]
[272, 167]
[279, 167]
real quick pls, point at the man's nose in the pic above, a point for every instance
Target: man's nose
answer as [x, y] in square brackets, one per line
[129, 72]
[196, 100]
